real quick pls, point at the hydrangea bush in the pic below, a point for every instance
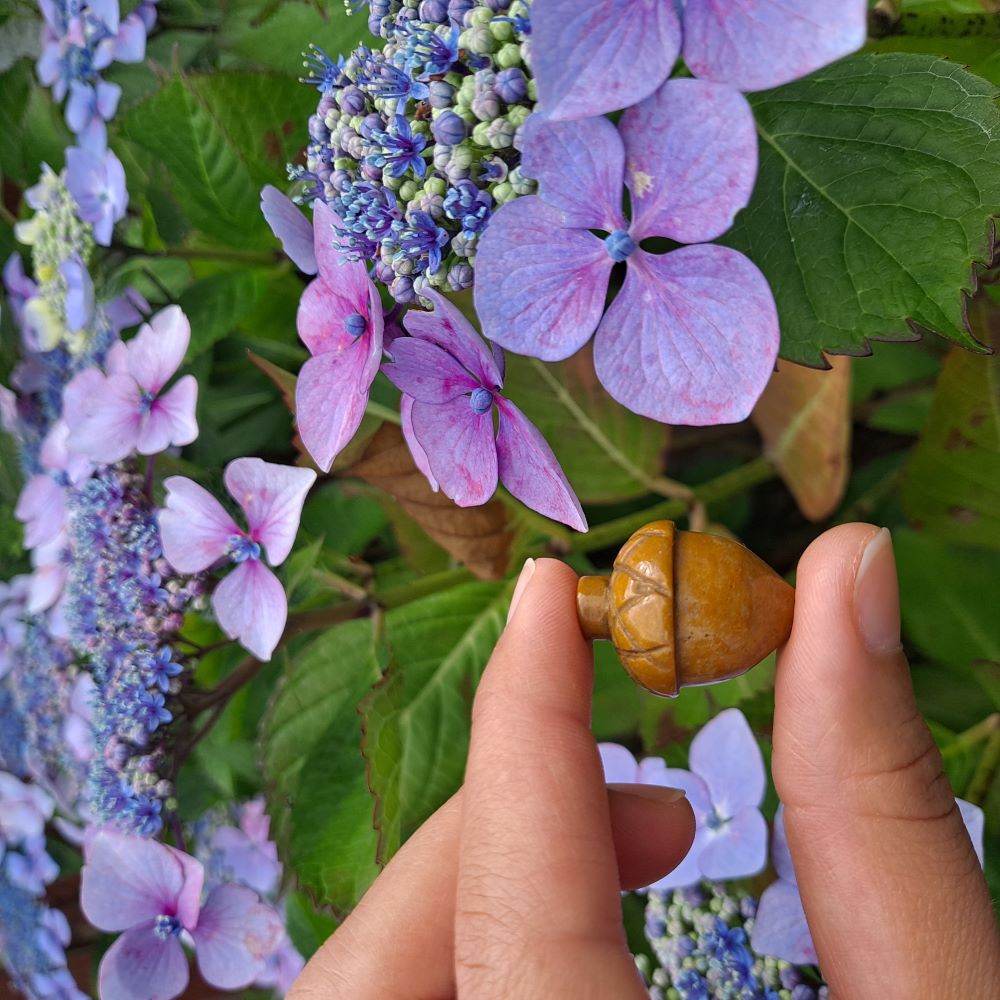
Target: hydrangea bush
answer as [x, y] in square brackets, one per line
[302, 355]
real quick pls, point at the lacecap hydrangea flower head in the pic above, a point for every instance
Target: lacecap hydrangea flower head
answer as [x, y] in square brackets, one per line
[468, 150]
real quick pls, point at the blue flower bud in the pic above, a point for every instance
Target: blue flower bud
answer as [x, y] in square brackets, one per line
[620, 245]
[481, 401]
[440, 94]
[449, 129]
[459, 277]
[511, 84]
[457, 9]
[351, 101]
[355, 325]
[401, 290]
[372, 122]
[435, 11]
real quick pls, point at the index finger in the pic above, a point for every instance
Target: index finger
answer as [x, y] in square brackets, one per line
[538, 893]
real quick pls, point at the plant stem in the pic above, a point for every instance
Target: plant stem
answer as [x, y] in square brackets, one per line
[394, 597]
[986, 771]
[655, 484]
[973, 735]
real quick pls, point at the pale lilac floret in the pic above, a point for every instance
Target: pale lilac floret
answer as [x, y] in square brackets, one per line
[592, 58]
[780, 927]
[247, 850]
[24, 809]
[87, 110]
[725, 786]
[127, 410]
[152, 893]
[340, 320]
[41, 508]
[455, 383]
[97, 182]
[197, 532]
[692, 336]
[291, 227]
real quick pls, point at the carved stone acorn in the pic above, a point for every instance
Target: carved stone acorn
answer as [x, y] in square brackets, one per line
[684, 608]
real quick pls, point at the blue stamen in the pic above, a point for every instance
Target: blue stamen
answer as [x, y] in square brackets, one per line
[355, 325]
[620, 245]
[481, 400]
[241, 548]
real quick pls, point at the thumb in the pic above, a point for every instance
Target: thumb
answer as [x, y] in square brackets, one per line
[891, 886]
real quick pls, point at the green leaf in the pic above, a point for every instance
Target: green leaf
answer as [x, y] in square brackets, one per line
[607, 452]
[952, 484]
[217, 304]
[222, 137]
[879, 177]
[948, 599]
[31, 126]
[307, 927]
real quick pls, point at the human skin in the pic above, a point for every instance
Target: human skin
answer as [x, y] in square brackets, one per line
[511, 889]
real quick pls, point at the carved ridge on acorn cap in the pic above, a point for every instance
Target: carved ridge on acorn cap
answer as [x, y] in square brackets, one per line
[685, 609]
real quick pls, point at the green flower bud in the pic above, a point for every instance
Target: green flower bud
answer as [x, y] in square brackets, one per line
[504, 192]
[479, 15]
[408, 190]
[532, 90]
[344, 163]
[520, 183]
[508, 56]
[500, 133]
[503, 31]
[480, 134]
[435, 185]
[467, 90]
[463, 155]
[392, 183]
[517, 114]
[479, 40]
[455, 79]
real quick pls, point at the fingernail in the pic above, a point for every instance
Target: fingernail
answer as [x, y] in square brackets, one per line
[527, 572]
[876, 596]
[658, 793]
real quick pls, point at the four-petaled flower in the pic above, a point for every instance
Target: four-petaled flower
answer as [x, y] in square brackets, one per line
[196, 531]
[112, 415]
[451, 383]
[340, 321]
[152, 892]
[725, 787]
[97, 182]
[592, 58]
[692, 336]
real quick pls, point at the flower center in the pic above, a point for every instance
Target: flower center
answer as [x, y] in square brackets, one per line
[715, 821]
[620, 245]
[146, 401]
[241, 548]
[481, 400]
[166, 927]
[355, 325]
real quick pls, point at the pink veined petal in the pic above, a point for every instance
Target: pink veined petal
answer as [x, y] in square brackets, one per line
[726, 757]
[323, 312]
[158, 349]
[531, 472]
[350, 278]
[447, 327]
[189, 900]
[76, 391]
[251, 607]
[580, 168]
[128, 879]
[109, 428]
[780, 928]
[691, 160]
[540, 287]
[171, 418]
[141, 966]
[194, 527]
[271, 496]
[460, 448]
[738, 849]
[116, 360]
[596, 57]
[331, 395]
[691, 338]
[619, 765]
[416, 449]
[426, 372]
[290, 226]
[757, 44]
[781, 855]
[235, 934]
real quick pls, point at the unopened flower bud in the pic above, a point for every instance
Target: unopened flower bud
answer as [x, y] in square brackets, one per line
[459, 277]
[500, 133]
[401, 290]
[508, 56]
[435, 11]
[441, 94]
[511, 85]
[503, 193]
[351, 100]
[486, 106]
[449, 129]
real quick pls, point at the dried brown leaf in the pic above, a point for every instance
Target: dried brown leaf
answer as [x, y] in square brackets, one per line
[479, 537]
[804, 418]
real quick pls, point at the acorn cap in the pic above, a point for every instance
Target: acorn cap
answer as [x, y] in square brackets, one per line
[684, 608]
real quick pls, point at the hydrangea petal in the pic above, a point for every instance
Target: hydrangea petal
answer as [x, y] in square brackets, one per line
[726, 757]
[780, 928]
[416, 449]
[271, 496]
[194, 527]
[765, 43]
[460, 448]
[109, 428]
[540, 287]
[290, 226]
[619, 765]
[41, 507]
[251, 607]
[738, 848]
[330, 398]
[781, 855]
[579, 166]
[253, 864]
[158, 349]
[596, 57]
[350, 278]
[531, 472]
[139, 964]
[426, 372]
[691, 338]
[691, 160]
[235, 934]
[694, 788]
[171, 419]
[447, 327]
[975, 820]
[127, 880]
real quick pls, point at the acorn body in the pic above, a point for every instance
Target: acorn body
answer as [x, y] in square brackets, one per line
[685, 609]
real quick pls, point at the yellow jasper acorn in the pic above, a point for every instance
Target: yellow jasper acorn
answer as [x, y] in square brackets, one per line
[684, 608]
